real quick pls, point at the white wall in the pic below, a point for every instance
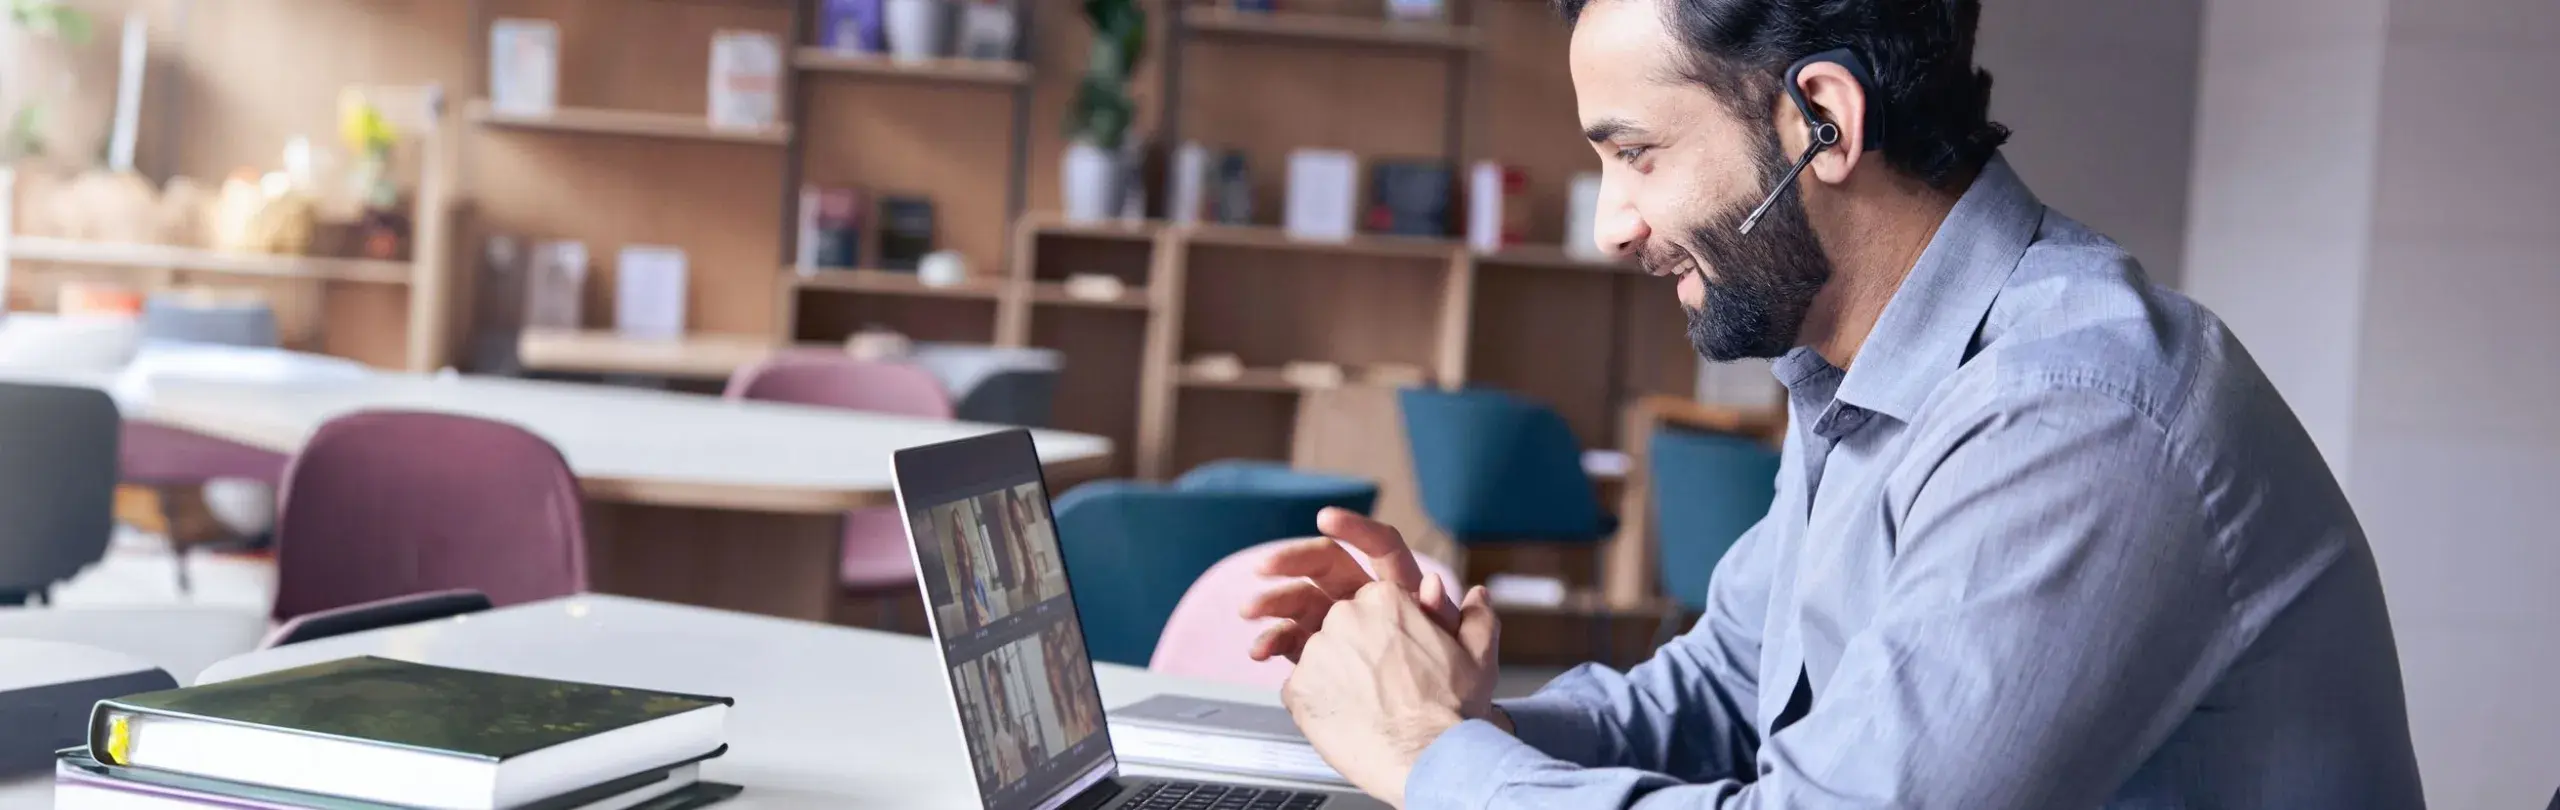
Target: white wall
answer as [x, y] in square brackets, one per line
[2101, 97]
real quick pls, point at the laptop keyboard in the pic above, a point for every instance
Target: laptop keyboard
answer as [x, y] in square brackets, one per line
[1203, 796]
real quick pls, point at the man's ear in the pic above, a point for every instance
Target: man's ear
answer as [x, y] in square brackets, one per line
[1837, 97]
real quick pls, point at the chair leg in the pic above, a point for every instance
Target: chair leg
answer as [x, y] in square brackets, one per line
[43, 596]
[169, 528]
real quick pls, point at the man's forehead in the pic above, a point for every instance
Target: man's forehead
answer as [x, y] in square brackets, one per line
[1620, 47]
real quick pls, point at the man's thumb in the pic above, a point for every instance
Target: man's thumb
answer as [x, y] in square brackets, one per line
[1478, 629]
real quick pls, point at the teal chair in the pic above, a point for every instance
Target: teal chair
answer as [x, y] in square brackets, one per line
[1708, 488]
[1132, 548]
[1494, 468]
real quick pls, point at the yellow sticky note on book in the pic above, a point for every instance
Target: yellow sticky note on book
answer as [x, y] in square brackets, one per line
[119, 738]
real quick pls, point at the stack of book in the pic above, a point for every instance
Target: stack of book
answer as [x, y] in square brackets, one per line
[374, 733]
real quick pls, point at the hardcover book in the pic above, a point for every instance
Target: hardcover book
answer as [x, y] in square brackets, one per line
[376, 729]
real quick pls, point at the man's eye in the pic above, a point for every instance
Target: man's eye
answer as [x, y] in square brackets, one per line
[1630, 154]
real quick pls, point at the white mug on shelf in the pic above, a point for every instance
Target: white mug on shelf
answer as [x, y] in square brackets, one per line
[917, 29]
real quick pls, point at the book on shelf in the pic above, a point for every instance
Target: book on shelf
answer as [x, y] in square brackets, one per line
[81, 782]
[830, 229]
[906, 231]
[379, 730]
[1324, 187]
[851, 26]
[1497, 206]
[648, 292]
[1409, 198]
[524, 66]
[555, 285]
[746, 79]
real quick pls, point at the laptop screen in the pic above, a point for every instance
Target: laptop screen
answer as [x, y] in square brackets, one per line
[987, 550]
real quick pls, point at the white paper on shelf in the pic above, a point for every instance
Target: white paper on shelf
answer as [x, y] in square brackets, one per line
[1484, 207]
[1324, 194]
[746, 79]
[1221, 753]
[524, 66]
[648, 295]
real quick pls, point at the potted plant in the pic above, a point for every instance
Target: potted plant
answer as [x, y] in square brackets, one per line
[1092, 180]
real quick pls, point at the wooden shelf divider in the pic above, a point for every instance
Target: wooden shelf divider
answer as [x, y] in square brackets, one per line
[1330, 28]
[997, 72]
[632, 123]
[890, 282]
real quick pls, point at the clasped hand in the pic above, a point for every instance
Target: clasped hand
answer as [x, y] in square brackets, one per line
[1385, 663]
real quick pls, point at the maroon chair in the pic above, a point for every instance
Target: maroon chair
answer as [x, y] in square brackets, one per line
[384, 504]
[169, 460]
[875, 540]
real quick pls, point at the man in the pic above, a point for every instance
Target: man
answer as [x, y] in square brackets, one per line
[2044, 536]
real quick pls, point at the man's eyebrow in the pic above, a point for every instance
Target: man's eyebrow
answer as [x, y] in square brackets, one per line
[1609, 129]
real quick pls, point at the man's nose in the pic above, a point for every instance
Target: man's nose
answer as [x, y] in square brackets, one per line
[1618, 229]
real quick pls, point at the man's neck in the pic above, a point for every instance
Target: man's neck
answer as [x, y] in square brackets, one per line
[1881, 239]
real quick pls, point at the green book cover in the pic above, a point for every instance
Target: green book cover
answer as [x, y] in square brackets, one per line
[379, 700]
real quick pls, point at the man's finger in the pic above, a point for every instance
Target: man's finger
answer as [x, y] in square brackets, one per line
[1436, 603]
[1389, 558]
[1479, 629]
[1299, 600]
[1284, 640]
[1319, 559]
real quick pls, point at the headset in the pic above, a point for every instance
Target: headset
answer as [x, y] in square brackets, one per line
[1825, 134]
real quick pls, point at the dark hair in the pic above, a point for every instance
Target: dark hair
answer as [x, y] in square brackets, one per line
[1936, 104]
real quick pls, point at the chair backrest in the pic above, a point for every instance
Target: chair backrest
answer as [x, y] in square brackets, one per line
[390, 503]
[57, 481]
[1494, 466]
[840, 381]
[377, 614]
[1131, 549]
[1274, 478]
[1708, 488]
[186, 319]
[154, 453]
[1205, 638]
[1025, 398]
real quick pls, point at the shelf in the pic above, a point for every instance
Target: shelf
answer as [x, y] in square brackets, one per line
[1330, 28]
[1267, 380]
[168, 257]
[1055, 293]
[1003, 72]
[1403, 247]
[889, 282]
[1109, 229]
[629, 122]
[698, 356]
[1552, 257]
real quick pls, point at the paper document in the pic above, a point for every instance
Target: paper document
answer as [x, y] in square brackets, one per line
[1221, 753]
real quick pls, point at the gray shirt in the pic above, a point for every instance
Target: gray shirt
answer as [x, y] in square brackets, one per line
[2053, 541]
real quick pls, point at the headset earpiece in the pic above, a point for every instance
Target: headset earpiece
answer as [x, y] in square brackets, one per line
[1821, 134]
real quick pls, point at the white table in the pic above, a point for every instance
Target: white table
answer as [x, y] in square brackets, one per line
[827, 717]
[690, 498]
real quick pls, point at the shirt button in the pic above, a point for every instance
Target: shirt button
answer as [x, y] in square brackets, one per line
[1852, 418]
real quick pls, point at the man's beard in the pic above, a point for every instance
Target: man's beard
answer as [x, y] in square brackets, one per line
[1764, 281]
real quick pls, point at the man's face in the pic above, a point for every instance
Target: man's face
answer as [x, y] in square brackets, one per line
[1679, 173]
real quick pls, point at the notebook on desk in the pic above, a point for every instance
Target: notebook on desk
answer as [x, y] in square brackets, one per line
[1012, 646]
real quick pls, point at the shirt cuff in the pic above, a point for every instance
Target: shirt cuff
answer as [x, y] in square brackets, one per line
[1463, 769]
[1556, 725]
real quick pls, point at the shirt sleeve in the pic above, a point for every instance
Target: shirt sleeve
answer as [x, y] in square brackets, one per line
[2053, 611]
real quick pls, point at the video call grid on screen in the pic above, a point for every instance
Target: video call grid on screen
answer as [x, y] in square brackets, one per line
[988, 553]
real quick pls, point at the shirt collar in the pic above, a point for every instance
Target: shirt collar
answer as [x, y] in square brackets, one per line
[1930, 323]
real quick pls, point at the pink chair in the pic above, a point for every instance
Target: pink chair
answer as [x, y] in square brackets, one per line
[1206, 639]
[385, 504]
[169, 459]
[875, 540]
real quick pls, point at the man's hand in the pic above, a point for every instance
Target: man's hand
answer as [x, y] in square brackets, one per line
[1328, 575]
[1385, 679]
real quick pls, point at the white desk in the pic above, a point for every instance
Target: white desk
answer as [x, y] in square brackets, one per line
[690, 498]
[827, 717]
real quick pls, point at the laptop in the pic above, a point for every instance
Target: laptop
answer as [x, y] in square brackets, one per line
[996, 592]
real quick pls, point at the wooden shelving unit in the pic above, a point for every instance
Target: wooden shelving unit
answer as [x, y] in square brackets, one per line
[961, 71]
[1406, 247]
[1552, 257]
[1328, 28]
[1054, 293]
[201, 260]
[891, 282]
[628, 123]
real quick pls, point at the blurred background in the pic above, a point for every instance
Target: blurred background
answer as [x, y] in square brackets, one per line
[1277, 255]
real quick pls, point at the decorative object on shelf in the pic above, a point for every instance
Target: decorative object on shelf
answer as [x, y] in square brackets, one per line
[263, 215]
[1417, 10]
[1324, 187]
[1582, 213]
[1098, 121]
[919, 29]
[30, 125]
[497, 317]
[988, 29]
[1188, 197]
[524, 66]
[382, 231]
[1095, 287]
[556, 285]
[851, 26]
[97, 299]
[648, 292]
[1393, 375]
[830, 228]
[1234, 200]
[746, 79]
[878, 344]
[1220, 366]
[906, 231]
[943, 268]
[1312, 374]
[1497, 206]
[1409, 198]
